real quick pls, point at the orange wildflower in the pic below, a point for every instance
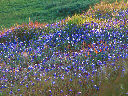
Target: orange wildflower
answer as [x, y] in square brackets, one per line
[96, 51]
[104, 49]
[36, 24]
[31, 24]
[100, 50]
[89, 45]
[88, 53]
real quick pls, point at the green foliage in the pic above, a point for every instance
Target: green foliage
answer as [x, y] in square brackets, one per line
[18, 11]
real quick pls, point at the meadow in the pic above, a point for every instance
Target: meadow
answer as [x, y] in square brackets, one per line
[48, 11]
[43, 11]
[84, 54]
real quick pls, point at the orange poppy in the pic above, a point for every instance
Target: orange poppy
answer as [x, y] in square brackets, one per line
[104, 49]
[88, 53]
[96, 51]
[89, 45]
[31, 24]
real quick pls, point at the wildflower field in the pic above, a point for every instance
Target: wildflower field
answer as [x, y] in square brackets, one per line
[82, 55]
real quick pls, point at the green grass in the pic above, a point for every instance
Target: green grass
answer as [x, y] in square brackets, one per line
[19, 11]
[49, 11]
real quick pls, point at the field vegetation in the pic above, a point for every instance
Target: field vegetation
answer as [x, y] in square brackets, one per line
[48, 11]
[84, 54]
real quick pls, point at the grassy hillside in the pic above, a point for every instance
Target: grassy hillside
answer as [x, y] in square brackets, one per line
[82, 55]
[18, 11]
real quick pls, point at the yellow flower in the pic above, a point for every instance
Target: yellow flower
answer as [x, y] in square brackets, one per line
[29, 19]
